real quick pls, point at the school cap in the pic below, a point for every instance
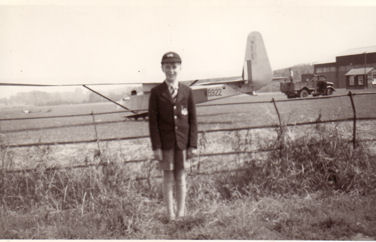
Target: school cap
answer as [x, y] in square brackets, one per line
[171, 57]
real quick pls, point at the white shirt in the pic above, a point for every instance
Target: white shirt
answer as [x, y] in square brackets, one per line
[174, 85]
[173, 88]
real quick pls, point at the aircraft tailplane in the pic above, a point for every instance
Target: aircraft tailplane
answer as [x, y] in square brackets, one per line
[257, 71]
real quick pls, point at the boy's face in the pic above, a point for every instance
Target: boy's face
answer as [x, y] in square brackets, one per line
[171, 70]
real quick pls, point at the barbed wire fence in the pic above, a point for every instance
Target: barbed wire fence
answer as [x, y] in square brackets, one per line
[281, 126]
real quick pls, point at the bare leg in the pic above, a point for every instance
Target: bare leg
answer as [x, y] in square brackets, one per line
[181, 191]
[168, 185]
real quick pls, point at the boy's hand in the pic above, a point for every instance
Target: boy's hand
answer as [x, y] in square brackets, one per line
[158, 154]
[191, 152]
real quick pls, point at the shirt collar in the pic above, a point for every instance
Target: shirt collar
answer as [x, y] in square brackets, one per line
[174, 85]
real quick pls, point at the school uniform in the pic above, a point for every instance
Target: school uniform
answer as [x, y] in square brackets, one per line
[172, 124]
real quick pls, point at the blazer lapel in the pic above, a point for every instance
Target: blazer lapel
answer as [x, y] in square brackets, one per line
[166, 93]
[180, 95]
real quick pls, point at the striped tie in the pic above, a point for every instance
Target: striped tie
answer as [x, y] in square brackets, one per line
[174, 93]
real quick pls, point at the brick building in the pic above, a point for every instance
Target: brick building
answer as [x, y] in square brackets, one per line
[350, 68]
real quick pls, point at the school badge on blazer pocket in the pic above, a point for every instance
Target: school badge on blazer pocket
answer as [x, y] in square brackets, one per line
[184, 111]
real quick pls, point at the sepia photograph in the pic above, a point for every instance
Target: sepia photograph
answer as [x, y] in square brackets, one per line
[188, 119]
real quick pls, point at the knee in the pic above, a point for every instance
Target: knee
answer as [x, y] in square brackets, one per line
[180, 179]
[168, 177]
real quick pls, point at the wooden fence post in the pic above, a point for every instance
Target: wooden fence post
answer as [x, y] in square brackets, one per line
[279, 116]
[354, 122]
[96, 135]
[280, 136]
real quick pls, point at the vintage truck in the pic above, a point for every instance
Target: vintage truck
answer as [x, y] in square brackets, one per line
[311, 84]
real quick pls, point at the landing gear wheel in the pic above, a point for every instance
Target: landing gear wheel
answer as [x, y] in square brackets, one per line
[304, 93]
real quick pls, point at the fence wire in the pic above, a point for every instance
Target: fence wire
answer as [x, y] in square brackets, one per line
[101, 164]
[198, 105]
[280, 125]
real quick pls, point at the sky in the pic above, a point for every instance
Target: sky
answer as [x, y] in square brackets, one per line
[61, 41]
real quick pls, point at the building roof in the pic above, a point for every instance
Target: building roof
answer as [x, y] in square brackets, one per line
[326, 64]
[354, 51]
[357, 51]
[325, 60]
[359, 71]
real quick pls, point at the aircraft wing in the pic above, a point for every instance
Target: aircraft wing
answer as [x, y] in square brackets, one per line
[256, 73]
[209, 81]
[147, 86]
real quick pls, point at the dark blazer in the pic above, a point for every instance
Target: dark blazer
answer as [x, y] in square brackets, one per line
[172, 123]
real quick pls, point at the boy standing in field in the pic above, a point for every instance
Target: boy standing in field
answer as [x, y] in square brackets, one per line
[173, 131]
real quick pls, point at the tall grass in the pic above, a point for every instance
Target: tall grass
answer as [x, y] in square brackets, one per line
[110, 202]
[318, 161]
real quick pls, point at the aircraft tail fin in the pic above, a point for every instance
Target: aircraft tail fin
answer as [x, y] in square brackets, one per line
[257, 71]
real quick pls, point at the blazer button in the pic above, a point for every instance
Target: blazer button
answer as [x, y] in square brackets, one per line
[176, 127]
[174, 107]
[175, 117]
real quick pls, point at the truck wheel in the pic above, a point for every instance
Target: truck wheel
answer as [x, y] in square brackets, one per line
[329, 91]
[304, 93]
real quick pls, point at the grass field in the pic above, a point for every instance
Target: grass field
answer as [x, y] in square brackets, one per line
[209, 117]
[321, 191]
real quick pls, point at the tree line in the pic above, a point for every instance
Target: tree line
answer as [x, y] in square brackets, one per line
[79, 95]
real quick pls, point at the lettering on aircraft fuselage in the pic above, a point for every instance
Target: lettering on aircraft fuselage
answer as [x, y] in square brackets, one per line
[214, 92]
